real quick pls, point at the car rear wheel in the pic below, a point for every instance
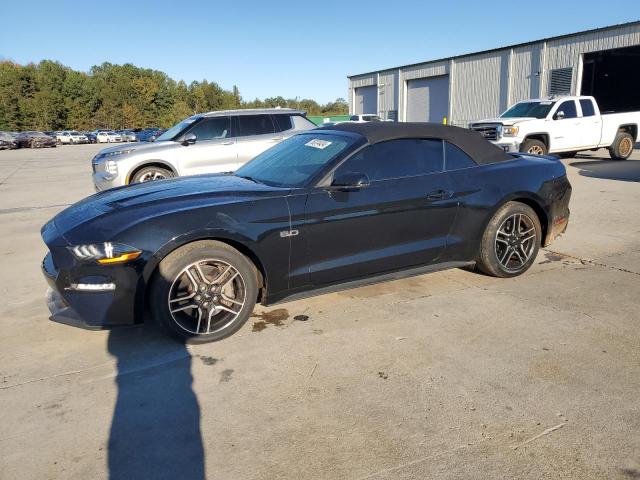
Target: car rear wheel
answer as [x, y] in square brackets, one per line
[150, 174]
[622, 146]
[204, 291]
[511, 241]
[535, 147]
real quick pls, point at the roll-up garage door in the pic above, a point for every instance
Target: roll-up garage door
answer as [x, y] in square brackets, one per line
[366, 100]
[428, 99]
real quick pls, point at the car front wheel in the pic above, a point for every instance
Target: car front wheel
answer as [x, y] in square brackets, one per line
[204, 291]
[150, 174]
[511, 241]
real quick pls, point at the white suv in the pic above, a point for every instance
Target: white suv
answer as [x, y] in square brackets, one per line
[213, 142]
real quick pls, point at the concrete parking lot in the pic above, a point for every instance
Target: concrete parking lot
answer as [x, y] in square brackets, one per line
[449, 375]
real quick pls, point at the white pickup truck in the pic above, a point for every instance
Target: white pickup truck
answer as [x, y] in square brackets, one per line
[563, 126]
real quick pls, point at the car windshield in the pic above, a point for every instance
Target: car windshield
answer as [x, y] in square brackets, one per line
[176, 130]
[529, 109]
[294, 161]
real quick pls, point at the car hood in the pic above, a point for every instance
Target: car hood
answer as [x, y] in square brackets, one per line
[139, 146]
[165, 196]
[505, 121]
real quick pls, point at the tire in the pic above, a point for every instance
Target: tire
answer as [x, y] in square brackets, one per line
[535, 147]
[150, 174]
[173, 292]
[622, 146]
[499, 236]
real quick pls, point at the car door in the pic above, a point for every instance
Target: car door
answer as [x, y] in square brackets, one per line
[256, 133]
[214, 150]
[566, 133]
[591, 130]
[401, 219]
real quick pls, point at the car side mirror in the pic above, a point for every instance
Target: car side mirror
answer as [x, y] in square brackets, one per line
[559, 115]
[189, 139]
[350, 181]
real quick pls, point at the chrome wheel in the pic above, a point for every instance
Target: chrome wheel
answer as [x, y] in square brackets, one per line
[207, 296]
[536, 150]
[515, 242]
[151, 176]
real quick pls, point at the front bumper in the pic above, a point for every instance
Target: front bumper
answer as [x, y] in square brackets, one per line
[509, 145]
[104, 181]
[71, 303]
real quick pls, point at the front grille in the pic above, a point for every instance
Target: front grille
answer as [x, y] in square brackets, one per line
[488, 131]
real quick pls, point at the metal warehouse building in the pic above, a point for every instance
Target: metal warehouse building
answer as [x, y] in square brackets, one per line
[604, 63]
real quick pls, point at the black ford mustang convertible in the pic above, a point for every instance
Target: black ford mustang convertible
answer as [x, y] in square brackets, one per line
[325, 209]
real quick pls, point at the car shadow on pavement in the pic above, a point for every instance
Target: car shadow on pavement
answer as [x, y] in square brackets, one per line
[155, 430]
[624, 170]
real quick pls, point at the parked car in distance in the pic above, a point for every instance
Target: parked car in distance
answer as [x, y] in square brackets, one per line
[563, 125]
[71, 137]
[128, 135]
[91, 137]
[205, 143]
[108, 137]
[35, 140]
[361, 118]
[148, 134]
[7, 141]
[324, 209]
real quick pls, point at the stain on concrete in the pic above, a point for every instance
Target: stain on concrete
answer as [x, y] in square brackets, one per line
[383, 375]
[318, 331]
[208, 360]
[301, 318]
[225, 375]
[274, 317]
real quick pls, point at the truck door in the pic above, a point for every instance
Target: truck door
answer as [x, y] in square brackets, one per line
[591, 124]
[565, 132]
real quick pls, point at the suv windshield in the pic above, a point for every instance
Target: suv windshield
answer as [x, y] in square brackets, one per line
[529, 109]
[294, 161]
[176, 129]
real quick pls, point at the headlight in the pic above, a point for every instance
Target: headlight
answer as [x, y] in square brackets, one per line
[105, 253]
[117, 152]
[509, 131]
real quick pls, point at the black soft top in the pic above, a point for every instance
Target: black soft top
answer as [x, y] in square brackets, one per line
[469, 141]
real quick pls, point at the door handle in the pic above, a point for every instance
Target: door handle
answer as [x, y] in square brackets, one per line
[439, 195]
[276, 139]
[227, 143]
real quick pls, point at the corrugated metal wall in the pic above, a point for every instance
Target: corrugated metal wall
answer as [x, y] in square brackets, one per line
[485, 84]
[480, 86]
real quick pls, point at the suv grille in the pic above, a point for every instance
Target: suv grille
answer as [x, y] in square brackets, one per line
[488, 131]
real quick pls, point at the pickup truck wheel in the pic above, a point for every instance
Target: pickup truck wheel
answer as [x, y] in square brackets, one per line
[622, 146]
[535, 147]
[150, 174]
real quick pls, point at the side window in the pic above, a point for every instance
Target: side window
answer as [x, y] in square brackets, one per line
[454, 158]
[396, 158]
[255, 125]
[282, 122]
[354, 118]
[587, 108]
[569, 109]
[212, 128]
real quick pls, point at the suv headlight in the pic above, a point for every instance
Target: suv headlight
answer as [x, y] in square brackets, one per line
[509, 131]
[117, 152]
[106, 253]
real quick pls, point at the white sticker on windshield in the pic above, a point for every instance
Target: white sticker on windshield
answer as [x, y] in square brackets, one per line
[317, 143]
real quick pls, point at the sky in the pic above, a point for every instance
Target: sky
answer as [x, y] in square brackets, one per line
[294, 49]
